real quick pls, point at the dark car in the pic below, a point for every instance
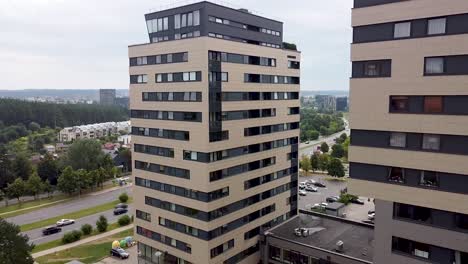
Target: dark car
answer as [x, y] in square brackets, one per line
[119, 252]
[120, 211]
[121, 205]
[51, 230]
[357, 201]
[319, 184]
[332, 199]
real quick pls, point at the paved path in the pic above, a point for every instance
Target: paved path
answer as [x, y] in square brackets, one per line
[74, 205]
[36, 237]
[81, 242]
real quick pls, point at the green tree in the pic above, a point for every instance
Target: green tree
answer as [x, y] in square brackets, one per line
[305, 164]
[124, 220]
[101, 177]
[83, 180]
[85, 154]
[15, 246]
[22, 166]
[346, 146]
[34, 185]
[123, 197]
[324, 131]
[67, 182]
[314, 162]
[324, 147]
[337, 151]
[86, 229]
[341, 138]
[6, 169]
[48, 169]
[126, 157]
[33, 126]
[335, 168]
[48, 188]
[324, 159]
[16, 189]
[101, 224]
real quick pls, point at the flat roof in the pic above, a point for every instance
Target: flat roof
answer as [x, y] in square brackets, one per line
[335, 206]
[358, 238]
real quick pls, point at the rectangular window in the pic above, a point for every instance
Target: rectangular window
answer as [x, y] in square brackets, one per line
[371, 69]
[184, 20]
[177, 21]
[224, 77]
[158, 78]
[435, 65]
[166, 23]
[193, 76]
[160, 24]
[158, 59]
[402, 30]
[429, 179]
[396, 175]
[433, 104]
[169, 77]
[399, 104]
[436, 26]
[196, 17]
[398, 140]
[431, 142]
[169, 58]
[274, 253]
[189, 19]
[186, 76]
[154, 25]
[196, 33]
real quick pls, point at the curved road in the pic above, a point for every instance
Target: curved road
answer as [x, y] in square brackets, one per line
[36, 237]
[87, 201]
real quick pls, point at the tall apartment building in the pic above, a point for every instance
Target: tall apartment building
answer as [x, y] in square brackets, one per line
[409, 120]
[215, 126]
[107, 96]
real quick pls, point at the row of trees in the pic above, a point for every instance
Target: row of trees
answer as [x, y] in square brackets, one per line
[314, 124]
[322, 162]
[13, 112]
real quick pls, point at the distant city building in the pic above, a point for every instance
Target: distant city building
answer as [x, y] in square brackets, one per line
[316, 239]
[123, 102]
[93, 131]
[342, 104]
[325, 103]
[107, 96]
[124, 139]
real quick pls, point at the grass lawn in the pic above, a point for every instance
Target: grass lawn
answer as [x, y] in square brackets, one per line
[25, 207]
[89, 253]
[58, 242]
[73, 215]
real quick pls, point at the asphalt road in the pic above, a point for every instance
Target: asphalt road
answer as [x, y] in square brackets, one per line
[36, 237]
[308, 149]
[68, 207]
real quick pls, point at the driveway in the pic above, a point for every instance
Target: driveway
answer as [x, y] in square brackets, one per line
[113, 260]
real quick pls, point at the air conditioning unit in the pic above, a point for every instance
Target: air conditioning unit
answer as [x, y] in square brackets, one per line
[339, 246]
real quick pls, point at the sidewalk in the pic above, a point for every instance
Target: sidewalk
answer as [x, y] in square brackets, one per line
[81, 242]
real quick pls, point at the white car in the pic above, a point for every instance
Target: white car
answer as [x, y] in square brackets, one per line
[64, 222]
[310, 182]
[371, 216]
[311, 189]
[320, 206]
[302, 193]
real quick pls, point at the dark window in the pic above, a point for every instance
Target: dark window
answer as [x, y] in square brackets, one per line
[274, 252]
[461, 221]
[429, 179]
[433, 104]
[294, 64]
[413, 212]
[371, 69]
[399, 104]
[396, 175]
[411, 247]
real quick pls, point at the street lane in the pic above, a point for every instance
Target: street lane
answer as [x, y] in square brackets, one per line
[36, 237]
[308, 149]
[69, 207]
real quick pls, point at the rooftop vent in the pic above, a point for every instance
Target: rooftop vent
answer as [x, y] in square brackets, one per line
[339, 246]
[244, 10]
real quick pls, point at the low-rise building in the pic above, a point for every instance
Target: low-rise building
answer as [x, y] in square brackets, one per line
[313, 238]
[93, 130]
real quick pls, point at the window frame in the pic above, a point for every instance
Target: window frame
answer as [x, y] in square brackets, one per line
[400, 23]
[399, 134]
[436, 18]
[431, 149]
[426, 109]
[444, 66]
[398, 97]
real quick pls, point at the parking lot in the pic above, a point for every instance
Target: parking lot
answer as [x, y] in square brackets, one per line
[353, 211]
[114, 260]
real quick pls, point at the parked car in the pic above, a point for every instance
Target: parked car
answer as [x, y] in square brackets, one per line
[310, 182]
[311, 189]
[119, 252]
[332, 199]
[302, 193]
[65, 222]
[319, 206]
[120, 211]
[319, 184]
[357, 201]
[307, 142]
[121, 205]
[302, 187]
[51, 230]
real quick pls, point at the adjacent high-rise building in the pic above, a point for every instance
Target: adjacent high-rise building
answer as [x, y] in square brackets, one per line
[409, 121]
[215, 127]
[107, 96]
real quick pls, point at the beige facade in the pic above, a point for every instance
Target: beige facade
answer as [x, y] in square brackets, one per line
[197, 49]
[370, 110]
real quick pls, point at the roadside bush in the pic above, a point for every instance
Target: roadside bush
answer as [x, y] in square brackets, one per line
[101, 224]
[86, 229]
[124, 220]
[123, 197]
[346, 198]
[71, 236]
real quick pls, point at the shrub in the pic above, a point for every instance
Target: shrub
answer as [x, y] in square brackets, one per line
[346, 198]
[86, 229]
[71, 236]
[101, 224]
[123, 197]
[124, 220]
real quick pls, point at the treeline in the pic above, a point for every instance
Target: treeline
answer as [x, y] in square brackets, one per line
[314, 124]
[14, 112]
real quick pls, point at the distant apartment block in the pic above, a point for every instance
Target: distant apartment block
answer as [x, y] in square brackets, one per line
[123, 102]
[215, 127]
[93, 131]
[107, 96]
[342, 104]
[325, 103]
[409, 126]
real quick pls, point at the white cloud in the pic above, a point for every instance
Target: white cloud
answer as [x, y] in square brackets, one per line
[83, 43]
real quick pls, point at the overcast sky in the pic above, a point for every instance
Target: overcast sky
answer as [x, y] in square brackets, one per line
[82, 44]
